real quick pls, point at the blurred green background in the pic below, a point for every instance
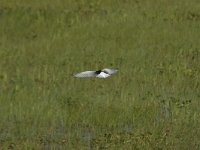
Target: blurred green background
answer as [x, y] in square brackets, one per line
[151, 103]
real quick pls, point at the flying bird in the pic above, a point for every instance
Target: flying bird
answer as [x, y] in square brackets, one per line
[103, 73]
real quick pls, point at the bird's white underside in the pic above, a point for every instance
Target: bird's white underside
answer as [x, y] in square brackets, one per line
[102, 75]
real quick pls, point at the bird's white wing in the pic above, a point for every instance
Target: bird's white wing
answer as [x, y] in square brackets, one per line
[110, 70]
[86, 74]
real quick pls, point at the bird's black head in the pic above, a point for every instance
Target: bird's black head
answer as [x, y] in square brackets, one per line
[98, 72]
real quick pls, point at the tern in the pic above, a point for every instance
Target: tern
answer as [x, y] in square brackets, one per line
[103, 73]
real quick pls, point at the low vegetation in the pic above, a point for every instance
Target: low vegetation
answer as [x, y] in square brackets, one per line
[151, 103]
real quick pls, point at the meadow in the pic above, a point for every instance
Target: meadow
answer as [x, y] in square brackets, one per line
[153, 102]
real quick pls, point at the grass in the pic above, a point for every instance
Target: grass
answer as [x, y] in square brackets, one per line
[151, 103]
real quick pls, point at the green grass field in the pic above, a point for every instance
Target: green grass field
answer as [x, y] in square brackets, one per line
[152, 103]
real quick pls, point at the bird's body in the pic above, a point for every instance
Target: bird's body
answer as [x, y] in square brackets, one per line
[104, 73]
